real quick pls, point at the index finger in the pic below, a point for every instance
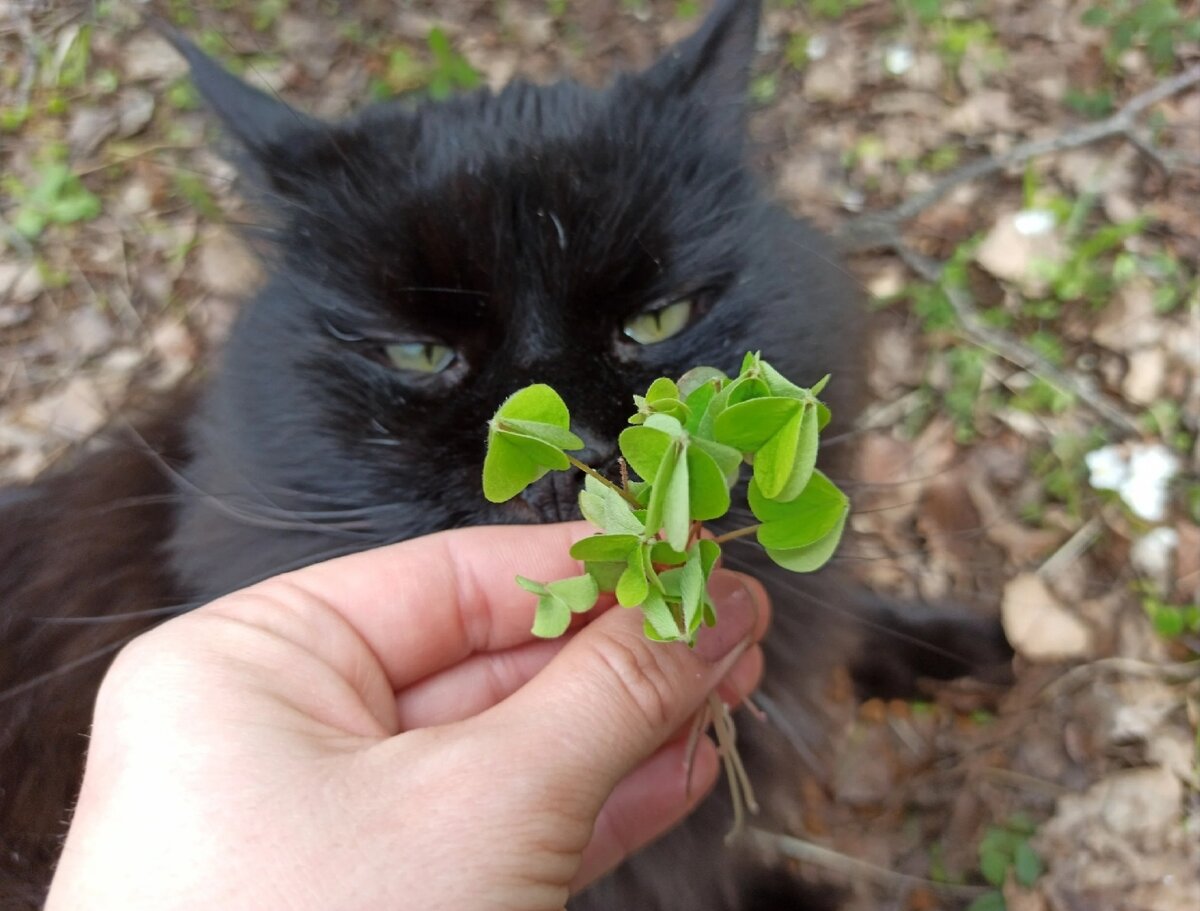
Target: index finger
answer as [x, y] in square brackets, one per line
[428, 603]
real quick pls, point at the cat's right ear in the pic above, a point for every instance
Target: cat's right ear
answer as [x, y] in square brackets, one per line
[712, 66]
[262, 124]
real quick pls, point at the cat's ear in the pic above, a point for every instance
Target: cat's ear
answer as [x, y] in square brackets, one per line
[712, 66]
[261, 123]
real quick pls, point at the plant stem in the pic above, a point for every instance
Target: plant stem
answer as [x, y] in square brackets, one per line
[737, 533]
[740, 790]
[588, 469]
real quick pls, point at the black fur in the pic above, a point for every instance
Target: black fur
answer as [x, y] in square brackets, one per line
[520, 229]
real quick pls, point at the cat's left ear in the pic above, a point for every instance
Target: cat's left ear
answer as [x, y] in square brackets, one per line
[712, 66]
[262, 124]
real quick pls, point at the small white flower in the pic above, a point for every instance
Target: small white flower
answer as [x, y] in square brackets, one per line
[1108, 468]
[1151, 469]
[1034, 222]
[818, 47]
[1141, 475]
[1152, 552]
[898, 59]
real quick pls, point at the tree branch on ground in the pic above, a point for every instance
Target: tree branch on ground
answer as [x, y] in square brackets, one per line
[883, 231]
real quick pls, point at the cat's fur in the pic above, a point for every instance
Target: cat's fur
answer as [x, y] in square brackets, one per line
[520, 228]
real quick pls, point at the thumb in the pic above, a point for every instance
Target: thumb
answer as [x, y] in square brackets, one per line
[611, 697]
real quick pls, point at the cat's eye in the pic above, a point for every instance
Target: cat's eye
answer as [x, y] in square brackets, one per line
[652, 326]
[420, 357]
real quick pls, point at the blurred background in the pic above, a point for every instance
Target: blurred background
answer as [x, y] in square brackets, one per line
[1032, 446]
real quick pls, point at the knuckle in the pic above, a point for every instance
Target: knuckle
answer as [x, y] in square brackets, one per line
[645, 682]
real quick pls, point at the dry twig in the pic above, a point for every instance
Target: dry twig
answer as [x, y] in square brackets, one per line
[882, 231]
[807, 851]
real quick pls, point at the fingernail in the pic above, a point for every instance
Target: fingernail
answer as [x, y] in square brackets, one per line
[737, 612]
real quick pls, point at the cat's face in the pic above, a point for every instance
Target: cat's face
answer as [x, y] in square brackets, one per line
[432, 261]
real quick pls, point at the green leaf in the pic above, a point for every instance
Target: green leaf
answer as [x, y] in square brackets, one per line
[546, 433]
[699, 377]
[659, 619]
[552, 618]
[643, 448]
[749, 426]
[993, 864]
[513, 463]
[604, 548]
[676, 510]
[691, 588]
[775, 462]
[805, 459]
[697, 405]
[814, 556]
[708, 495]
[728, 459]
[1027, 866]
[79, 206]
[607, 573]
[603, 506]
[662, 552]
[662, 388]
[578, 593]
[802, 521]
[710, 552]
[989, 901]
[669, 425]
[737, 391]
[819, 386]
[516, 460]
[530, 585]
[537, 403]
[633, 586]
[660, 489]
[780, 384]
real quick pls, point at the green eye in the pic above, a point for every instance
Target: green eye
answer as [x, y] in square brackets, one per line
[420, 357]
[652, 326]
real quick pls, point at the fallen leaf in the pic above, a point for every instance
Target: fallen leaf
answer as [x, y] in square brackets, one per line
[1038, 626]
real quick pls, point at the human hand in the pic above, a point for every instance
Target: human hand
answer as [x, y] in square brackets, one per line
[382, 731]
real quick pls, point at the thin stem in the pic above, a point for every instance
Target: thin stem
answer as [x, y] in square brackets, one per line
[588, 469]
[740, 791]
[737, 533]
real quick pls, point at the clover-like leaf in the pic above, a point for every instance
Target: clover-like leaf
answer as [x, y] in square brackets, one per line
[579, 593]
[669, 506]
[605, 507]
[660, 622]
[749, 426]
[738, 390]
[803, 459]
[782, 434]
[525, 441]
[814, 556]
[802, 535]
[551, 618]
[643, 448]
[607, 573]
[728, 459]
[802, 521]
[604, 548]
[699, 377]
[691, 589]
[633, 585]
[663, 397]
[558, 600]
[707, 487]
[664, 554]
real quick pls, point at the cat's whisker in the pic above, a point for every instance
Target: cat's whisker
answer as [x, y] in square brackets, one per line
[794, 589]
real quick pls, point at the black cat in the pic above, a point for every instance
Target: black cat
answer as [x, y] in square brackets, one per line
[425, 262]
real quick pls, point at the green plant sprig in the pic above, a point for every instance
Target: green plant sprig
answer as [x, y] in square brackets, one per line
[687, 443]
